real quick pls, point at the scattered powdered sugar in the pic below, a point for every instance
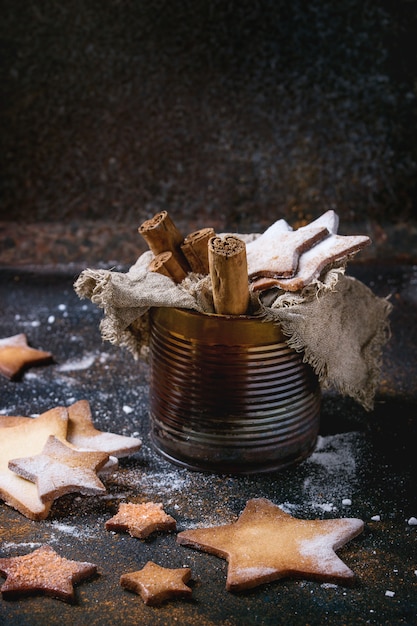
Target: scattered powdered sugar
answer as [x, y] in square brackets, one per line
[332, 471]
[77, 364]
[390, 594]
[336, 453]
[376, 518]
[161, 483]
[69, 529]
[127, 409]
[326, 507]
[57, 532]
[12, 545]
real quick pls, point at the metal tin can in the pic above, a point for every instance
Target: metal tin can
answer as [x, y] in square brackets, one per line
[228, 395]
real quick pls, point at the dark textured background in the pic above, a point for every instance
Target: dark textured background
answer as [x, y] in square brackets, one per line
[231, 114]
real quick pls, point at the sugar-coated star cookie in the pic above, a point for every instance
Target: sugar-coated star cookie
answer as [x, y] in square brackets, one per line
[60, 469]
[156, 584]
[83, 434]
[266, 544]
[26, 439]
[16, 355]
[312, 260]
[276, 252]
[43, 572]
[140, 520]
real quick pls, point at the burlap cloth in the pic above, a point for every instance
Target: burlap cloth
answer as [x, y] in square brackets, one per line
[338, 322]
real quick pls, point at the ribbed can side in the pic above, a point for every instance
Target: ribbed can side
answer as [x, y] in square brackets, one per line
[224, 406]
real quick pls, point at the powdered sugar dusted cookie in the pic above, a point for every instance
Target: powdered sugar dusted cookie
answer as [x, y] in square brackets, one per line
[60, 469]
[312, 263]
[276, 252]
[26, 439]
[266, 544]
[332, 248]
[16, 355]
[155, 584]
[83, 434]
[140, 520]
[43, 572]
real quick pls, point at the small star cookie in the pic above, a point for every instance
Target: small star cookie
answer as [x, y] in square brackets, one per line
[60, 469]
[43, 571]
[16, 355]
[266, 544]
[140, 520]
[155, 584]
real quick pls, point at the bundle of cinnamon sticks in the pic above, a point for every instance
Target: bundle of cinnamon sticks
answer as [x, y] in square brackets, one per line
[202, 252]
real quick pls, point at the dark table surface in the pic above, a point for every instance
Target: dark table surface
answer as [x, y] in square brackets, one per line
[367, 458]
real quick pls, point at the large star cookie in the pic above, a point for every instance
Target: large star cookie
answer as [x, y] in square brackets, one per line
[26, 439]
[266, 544]
[155, 584]
[140, 520]
[81, 432]
[16, 355]
[43, 571]
[60, 469]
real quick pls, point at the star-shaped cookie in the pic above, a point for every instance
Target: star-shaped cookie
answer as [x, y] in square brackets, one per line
[155, 584]
[16, 355]
[26, 439]
[60, 469]
[43, 571]
[331, 249]
[83, 434]
[276, 252]
[266, 544]
[140, 520]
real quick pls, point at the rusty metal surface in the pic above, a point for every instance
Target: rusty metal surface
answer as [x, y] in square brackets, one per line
[366, 458]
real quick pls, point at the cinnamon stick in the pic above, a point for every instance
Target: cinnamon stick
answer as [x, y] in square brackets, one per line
[195, 249]
[166, 264]
[229, 275]
[162, 235]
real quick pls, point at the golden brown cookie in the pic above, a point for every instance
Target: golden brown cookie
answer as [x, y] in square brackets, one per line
[83, 434]
[155, 584]
[45, 572]
[60, 469]
[140, 520]
[26, 439]
[16, 355]
[266, 544]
